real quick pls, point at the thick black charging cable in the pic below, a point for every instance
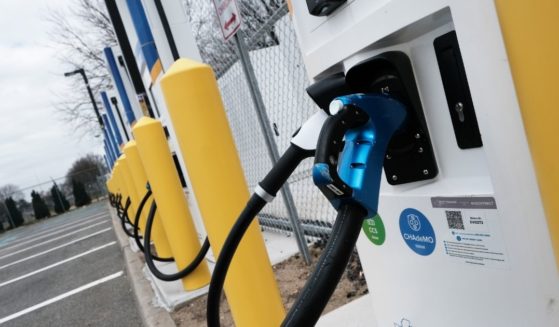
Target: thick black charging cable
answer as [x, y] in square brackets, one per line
[136, 236]
[149, 257]
[118, 199]
[112, 200]
[267, 190]
[123, 215]
[120, 207]
[331, 265]
[329, 269]
[124, 219]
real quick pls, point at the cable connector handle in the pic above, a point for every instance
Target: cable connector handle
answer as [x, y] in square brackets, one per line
[351, 148]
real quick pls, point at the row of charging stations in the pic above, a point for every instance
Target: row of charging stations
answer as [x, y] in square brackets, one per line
[174, 115]
[467, 226]
[137, 65]
[467, 223]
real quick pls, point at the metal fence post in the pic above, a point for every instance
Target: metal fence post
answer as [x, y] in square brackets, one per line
[10, 220]
[271, 146]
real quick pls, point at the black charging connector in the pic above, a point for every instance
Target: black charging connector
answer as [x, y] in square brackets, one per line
[410, 156]
[323, 7]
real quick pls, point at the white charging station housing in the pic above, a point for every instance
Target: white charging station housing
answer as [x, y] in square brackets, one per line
[470, 247]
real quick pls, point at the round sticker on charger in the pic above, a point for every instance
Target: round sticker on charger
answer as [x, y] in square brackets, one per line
[374, 230]
[417, 231]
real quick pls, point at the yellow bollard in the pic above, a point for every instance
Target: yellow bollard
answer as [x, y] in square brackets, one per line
[118, 180]
[108, 184]
[140, 181]
[119, 184]
[128, 185]
[111, 183]
[527, 31]
[171, 202]
[137, 189]
[194, 103]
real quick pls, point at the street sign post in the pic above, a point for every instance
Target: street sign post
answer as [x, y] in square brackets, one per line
[229, 17]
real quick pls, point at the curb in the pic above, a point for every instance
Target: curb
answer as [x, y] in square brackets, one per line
[150, 315]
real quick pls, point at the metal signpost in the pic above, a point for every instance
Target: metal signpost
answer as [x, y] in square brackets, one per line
[229, 17]
[230, 23]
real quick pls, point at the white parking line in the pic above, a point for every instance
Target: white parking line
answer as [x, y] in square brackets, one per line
[56, 264]
[48, 226]
[60, 297]
[39, 236]
[55, 248]
[52, 240]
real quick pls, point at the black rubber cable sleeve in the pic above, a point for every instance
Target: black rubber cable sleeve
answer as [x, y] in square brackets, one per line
[283, 168]
[122, 211]
[124, 219]
[253, 207]
[137, 236]
[136, 230]
[149, 258]
[329, 269]
[119, 206]
[273, 181]
[112, 200]
[125, 215]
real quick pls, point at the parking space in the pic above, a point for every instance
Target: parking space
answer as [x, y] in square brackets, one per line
[65, 271]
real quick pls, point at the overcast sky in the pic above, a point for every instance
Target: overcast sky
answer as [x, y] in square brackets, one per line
[35, 144]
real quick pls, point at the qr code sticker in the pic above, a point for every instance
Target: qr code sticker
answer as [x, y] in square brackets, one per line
[454, 219]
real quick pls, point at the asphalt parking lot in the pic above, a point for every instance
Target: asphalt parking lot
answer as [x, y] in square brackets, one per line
[65, 271]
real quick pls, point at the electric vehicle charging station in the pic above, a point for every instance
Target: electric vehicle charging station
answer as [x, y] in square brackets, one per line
[445, 249]
[143, 21]
[462, 238]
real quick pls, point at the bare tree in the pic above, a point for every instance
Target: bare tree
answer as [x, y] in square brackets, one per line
[10, 190]
[81, 31]
[86, 169]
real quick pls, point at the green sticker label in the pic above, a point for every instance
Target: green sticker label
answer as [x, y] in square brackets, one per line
[374, 229]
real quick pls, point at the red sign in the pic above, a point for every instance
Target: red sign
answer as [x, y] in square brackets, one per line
[229, 17]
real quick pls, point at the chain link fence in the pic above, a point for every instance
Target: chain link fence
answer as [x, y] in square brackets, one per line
[94, 187]
[281, 78]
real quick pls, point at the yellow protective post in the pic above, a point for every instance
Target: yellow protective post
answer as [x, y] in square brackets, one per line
[197, 113]
[530, 34]
[109, 186]
[140, 180]
[111, 183]
[119, 187]
[122, 189]
[128, 185]
[171, 202]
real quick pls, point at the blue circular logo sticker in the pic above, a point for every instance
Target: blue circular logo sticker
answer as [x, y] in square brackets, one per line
[417, 232]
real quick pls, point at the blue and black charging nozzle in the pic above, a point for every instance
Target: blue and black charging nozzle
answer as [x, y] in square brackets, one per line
[347, 170]
[352, 147]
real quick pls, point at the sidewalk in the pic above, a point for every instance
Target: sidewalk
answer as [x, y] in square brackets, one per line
[163, 303]
[151, 315]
